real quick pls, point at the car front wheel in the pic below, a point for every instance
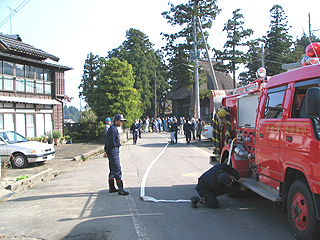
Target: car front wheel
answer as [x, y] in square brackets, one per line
[19, 160]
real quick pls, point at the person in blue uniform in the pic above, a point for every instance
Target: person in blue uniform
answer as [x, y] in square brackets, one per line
[135, 131]
[112, 152]
[215, 182]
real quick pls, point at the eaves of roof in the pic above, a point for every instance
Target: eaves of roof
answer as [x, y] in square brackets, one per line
[10, 44]
[24, 59]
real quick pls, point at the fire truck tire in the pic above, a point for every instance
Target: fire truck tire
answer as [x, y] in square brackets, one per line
[301, 212]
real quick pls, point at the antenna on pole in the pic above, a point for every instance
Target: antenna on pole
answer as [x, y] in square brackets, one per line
[10, 16]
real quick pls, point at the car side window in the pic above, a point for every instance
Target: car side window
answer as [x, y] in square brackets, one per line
[273, 108]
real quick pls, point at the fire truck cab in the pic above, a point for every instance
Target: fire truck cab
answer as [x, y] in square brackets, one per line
[270, 132]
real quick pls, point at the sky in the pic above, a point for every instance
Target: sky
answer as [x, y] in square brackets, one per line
[70, 29]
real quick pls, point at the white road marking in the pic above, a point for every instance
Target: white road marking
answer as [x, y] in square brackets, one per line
[144, 180]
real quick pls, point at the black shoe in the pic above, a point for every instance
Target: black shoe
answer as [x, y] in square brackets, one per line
[194, 201]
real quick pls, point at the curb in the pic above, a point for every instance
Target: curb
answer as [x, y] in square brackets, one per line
[27, 183]
[87, 156]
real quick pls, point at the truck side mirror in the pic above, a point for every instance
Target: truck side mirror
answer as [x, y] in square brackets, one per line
[313, 101]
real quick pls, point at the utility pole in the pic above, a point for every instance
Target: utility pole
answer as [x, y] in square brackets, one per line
[213, 77]
[309, 25]
[262, 55]
[196, 66]
[155, 93]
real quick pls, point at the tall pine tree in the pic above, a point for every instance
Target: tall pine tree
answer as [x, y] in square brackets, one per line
[278, 42]
[179, 44]
[236, 35]
[91, 72]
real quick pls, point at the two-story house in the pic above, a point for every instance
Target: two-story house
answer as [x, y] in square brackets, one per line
[31, 90]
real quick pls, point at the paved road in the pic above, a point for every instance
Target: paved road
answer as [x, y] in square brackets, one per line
[77, 205]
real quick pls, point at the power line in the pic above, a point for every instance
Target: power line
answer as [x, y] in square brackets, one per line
[15, 11]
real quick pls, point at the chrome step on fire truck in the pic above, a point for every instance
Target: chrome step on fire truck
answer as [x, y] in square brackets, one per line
[270, 132]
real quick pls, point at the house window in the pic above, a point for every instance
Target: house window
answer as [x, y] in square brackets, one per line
[8, 105]
[8, 123]
[40, 124]
[30, 125]
[39, 73]
[20, 85]
[47, 122]
[21, 124]
[8, 83]
[29, 72]
[39, 86]
[30, 86]
[1, 122]
[8, 68]
[20, 70]
[1, 68]
[46, 76]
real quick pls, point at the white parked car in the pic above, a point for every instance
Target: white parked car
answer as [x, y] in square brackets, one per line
[207, 132]
[20, 151]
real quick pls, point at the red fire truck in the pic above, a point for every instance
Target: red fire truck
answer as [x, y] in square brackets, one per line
[270, 132]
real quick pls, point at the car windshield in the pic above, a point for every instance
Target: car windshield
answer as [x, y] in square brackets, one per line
[12, 137]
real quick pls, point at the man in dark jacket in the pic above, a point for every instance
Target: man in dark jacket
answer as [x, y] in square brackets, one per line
[135, 131]
[112, 152]
[187, 128]
[217, 181]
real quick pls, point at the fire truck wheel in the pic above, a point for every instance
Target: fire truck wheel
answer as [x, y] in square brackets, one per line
[301, 212]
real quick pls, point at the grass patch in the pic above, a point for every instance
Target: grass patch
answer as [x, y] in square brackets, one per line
[22, 177]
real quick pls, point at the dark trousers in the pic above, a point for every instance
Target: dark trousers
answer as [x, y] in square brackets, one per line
[210, 200]
[135, 135]
[114, 164]
[188, 136]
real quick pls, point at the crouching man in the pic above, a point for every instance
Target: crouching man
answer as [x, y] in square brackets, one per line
[217, 181]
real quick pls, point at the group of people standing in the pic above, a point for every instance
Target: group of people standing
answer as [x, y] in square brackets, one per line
[191, 128]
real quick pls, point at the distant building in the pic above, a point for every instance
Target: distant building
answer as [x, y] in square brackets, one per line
[183, 100]
[68, 120]
[31, 90]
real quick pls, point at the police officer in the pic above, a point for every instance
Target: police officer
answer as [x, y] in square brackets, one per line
[111, 149]
[217, 181]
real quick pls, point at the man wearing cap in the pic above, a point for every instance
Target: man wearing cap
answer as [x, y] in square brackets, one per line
[108, 124]
[111, 149]
[217, 181]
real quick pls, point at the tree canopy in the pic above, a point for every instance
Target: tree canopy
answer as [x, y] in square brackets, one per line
[235, 36]
[113, 91]
[138, 51]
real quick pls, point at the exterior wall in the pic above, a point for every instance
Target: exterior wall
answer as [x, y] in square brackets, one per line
[31, 119]
[59, 84]
[58, 117]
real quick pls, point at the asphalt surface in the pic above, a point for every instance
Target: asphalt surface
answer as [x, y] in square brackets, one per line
[68, 156]
[76, 205]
